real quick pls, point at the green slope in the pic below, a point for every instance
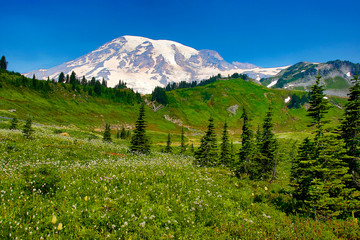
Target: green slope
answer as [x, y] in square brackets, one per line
[191, 106]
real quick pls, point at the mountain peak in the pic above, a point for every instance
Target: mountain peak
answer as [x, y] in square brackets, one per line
[144, 63]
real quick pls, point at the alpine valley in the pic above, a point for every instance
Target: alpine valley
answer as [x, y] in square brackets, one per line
[218, 150]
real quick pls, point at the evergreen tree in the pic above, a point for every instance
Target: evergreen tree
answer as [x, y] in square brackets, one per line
[258, 138]
[34, 82]
[14, 123]
[319, 106]
[159, 95]
[168, 148]
[73, 78]
[93, 81]
[139, 141]
[247, 146]
[83, 81]
[301, 175]
[61, 77]
[182, 143]
[350, 130]
[3, 63]
[97, 88]
[225, 151]
[28, 130]
[107, 133]
[117, 133]
[123, 133]
[328, 195]
[67, 78]
[207, 154]
[268, 147]
[104, 83]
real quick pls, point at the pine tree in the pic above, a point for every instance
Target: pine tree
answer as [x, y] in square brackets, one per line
[123, 133]
[246, 152]
[83, 81]
[117, 133]
[28, 130]
[225, 152]
[104, 83]
[192, 150]
[268, 147]
[73, 78]
[61, 77]
[3, 63]
[301, 175]
[14, 123]
[107, 133]
[207, 154]
[328, 195]
[350, 130]
[182, 143]
[168, 148]
[97, 88]
[319, 106]
[139, 141]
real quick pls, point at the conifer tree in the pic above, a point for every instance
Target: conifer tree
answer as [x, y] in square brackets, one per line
[319, 106]
[247, 146]
[3, 63]
[107, 133]
[97, 88]
[14, 123]
[321, 172]
[139, 141]
[225, 151]
[73, 78]
[83, 81]
[268, 148]
[301, 175]
[61, 77]
[168, 148]
[67, 78]
[350, 130]
[207, 154]
[328, 195]
[123, 133]
[182, 143]
[192, 150]
[28, 130]
[117, 133]
[34, 82]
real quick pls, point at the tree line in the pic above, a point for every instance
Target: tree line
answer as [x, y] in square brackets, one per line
[159, 93]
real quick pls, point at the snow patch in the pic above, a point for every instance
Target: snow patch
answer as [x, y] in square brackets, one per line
[272, 84]
[287, 99]
[348, 74]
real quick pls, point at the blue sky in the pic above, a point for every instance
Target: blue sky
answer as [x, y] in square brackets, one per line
[44, 33]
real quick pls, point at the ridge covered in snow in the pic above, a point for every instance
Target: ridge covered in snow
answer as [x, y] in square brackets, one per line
[144, 63]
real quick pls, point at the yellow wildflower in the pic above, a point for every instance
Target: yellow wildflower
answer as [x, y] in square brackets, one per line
[53, 220]
[265, 188]
[105, 188]
[60, 226]
[86, 198]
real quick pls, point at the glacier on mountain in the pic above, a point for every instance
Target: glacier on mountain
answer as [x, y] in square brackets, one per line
[144, 63]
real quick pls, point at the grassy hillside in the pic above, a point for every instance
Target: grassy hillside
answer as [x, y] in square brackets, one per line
[191, 107]
[56, 187]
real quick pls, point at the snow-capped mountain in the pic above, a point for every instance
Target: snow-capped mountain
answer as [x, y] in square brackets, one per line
[144, 63]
